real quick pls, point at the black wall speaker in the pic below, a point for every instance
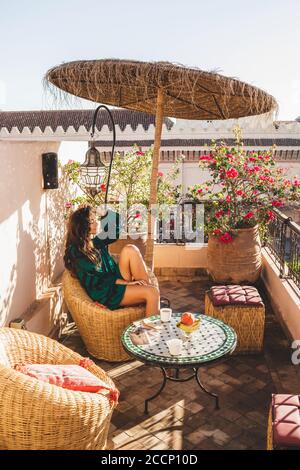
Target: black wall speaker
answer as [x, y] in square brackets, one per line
[50, 170]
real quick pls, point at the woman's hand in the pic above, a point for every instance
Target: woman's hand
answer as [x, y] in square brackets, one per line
[137, 283]
[141, 282]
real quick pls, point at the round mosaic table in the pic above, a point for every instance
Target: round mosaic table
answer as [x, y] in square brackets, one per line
[214, 340]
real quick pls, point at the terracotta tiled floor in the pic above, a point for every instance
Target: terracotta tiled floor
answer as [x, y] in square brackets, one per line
[183, 417]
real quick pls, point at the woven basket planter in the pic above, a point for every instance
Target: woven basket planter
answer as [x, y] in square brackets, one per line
[100, 328]
[247, 321]
[238, 262]
[36, 415]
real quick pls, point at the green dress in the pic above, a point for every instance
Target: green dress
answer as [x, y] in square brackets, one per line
[100, 282]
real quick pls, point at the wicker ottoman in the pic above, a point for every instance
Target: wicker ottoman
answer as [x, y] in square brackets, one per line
[284, 422]
[242, 308]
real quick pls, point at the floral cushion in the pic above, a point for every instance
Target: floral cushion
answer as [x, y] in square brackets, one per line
[235, 295]
[70, 376]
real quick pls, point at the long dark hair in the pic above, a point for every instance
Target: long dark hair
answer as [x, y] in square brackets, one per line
[78, 236]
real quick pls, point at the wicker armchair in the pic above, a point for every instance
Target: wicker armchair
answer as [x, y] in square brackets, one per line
[37, 415]
[100, 328]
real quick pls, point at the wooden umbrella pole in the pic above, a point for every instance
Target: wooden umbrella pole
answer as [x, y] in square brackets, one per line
[153, 184]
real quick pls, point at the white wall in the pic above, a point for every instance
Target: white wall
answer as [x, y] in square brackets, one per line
[284, 299]
[31, 239]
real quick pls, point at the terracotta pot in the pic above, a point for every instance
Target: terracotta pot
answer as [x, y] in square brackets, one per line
[116, 247]
[237, 262]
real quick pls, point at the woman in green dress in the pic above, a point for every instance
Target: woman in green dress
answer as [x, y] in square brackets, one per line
[87, 257]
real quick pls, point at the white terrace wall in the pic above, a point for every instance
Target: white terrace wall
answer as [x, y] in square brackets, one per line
[31, 228]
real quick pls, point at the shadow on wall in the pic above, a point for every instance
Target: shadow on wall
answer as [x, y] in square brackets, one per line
[21, 288]
[27, 266]
[31, 238]
[56, 221]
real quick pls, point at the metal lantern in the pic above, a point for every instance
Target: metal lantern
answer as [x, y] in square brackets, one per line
[93, 170]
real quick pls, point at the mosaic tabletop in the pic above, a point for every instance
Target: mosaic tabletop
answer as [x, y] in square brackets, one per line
[212, 340]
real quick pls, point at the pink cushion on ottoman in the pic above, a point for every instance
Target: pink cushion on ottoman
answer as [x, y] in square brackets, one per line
[286, 420]
[235, 295]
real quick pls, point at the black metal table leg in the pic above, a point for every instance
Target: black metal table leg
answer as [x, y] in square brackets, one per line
[214, 395]
[159, 391]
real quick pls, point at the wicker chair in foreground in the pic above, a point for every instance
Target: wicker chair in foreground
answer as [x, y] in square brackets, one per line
[100, 328]
[36, 415]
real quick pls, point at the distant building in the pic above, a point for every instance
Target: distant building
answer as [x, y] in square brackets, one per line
[179, 137]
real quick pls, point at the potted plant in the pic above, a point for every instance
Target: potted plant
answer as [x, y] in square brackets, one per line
[243, 190]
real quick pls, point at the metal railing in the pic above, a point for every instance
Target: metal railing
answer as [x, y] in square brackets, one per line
[283, 241]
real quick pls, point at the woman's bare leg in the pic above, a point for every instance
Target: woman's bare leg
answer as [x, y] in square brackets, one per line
[131, 264]
[142, 294]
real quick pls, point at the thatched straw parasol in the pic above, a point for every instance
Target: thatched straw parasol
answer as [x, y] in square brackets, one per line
[163, 89]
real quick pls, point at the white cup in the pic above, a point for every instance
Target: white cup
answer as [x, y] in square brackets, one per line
[175, 346]
[165, 314]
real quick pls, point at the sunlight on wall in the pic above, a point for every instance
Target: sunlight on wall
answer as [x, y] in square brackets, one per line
[27, 221]
[25, 264]
[9, 240]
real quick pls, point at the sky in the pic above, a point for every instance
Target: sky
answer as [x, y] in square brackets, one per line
[257, 41]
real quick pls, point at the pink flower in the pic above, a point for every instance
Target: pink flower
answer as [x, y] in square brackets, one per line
[263, 178]
[249, 215]
[232, 173]
[160, 174]
[68, 204]
[219, 214]
[217, 231]
[103, 187]
[252, 159]
[297, 183]
[226, 238]
[140, 153]
[271, 215]
[277, 203]
[70, 162]
[228, 198]
[255, 169]
[240, 192]
[207, 158]
[199, 190]
[137, 215]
